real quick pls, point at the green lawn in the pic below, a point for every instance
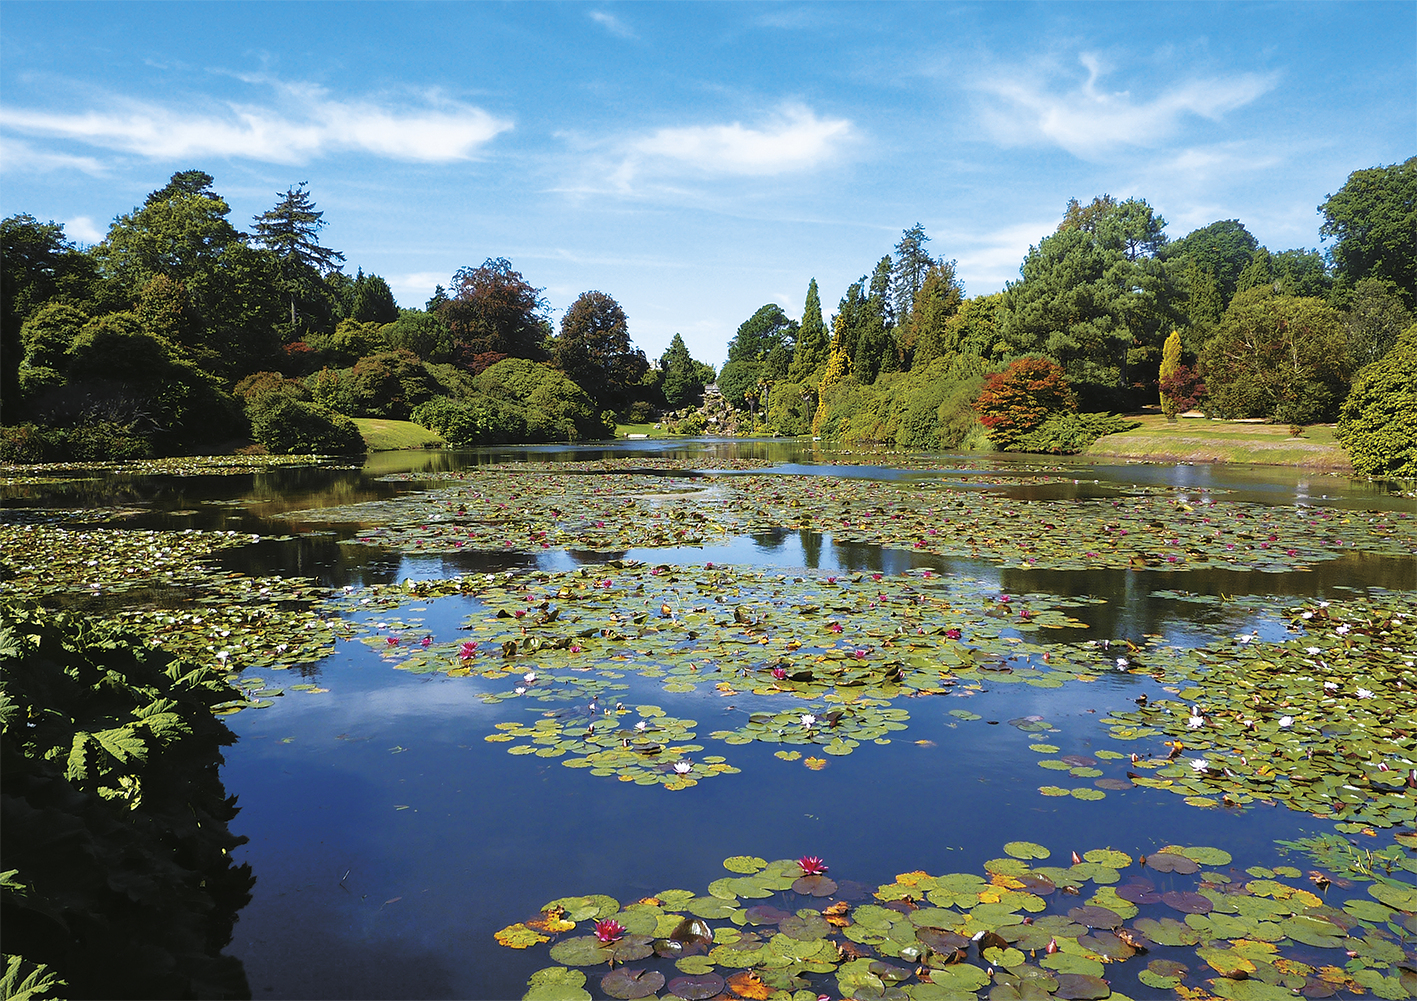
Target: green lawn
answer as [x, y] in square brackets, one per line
[1204, 440]
[385, 436]
[648, 430]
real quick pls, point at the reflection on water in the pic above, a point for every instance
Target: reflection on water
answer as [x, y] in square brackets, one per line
[390, 840]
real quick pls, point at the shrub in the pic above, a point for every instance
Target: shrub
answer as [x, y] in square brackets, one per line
[48, 334]
[556, 408]
[99, 441]
[290, 427]
[1069, 433]
[790, 407]
[1021, 397]
[389, 384]
[639, 412]
[694, 424]
[478, 420]
[260, 388]
[1183, 387]
[1378, 422]
[115, 817]
[24, 444]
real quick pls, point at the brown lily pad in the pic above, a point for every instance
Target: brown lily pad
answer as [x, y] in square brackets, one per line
[1081, 987]
[814, 886]
[1187, 903]
[697, 988]
[1139, 891]
[626, 984]
[1096, 917]
[1167, 862]
[765, 914]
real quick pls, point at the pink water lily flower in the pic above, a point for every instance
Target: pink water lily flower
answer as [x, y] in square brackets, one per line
[609, 930]
[467, 650]
[391, 640]
[953, 634]
[811, 865]
[779, 673]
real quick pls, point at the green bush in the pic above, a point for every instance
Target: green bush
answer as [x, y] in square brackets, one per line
[99, 441]
[478, 420]
[114, 814]
[556, 408]
[290, 427]
[389, 384]
[693, 424]
[1378, 422]
[790, 409]
[1069, 434]
[49, 333]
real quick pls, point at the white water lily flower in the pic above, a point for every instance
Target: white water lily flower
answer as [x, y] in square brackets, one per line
[519, 690]
[529, 676]
[1122, 663]
[1307, 615]
[1363, 693]
[682, 767]
[808, 719]
[1200, 764]
[1196, 722]
[1286, 721]
[1311, 650]
[1342, 629]
[1330, 686]
[641, 725]
[1244, 638]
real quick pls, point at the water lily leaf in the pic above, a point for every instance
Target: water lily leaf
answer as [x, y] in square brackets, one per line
[697, 987]
[583, 950]
[1170, 862]
[1026, 850]
[744, 864]
[1187, 903]
[1081, 986]
[1167, 931]
[1108, 857]
[519, 936]
[1096, 917]
[814, 886]
[627, 983]
[1313, 931]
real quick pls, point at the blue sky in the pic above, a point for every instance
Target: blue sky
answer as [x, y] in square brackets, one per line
[698, 160]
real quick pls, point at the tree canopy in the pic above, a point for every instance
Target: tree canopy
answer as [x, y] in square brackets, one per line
[494, 313]
[594, 350]
[1373, 222]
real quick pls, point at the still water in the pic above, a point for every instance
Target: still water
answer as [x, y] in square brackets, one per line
[390, 840]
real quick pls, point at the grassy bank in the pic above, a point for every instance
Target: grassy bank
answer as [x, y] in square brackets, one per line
[1204, 440]
[647, 430]
[385, 436]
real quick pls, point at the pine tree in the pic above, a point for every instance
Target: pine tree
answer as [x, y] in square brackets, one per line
[812, 346]
[291, 231]
[912, 261]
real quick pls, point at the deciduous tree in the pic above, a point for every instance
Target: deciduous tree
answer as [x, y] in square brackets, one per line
[594, 350]
[1373, 222]
[493, 310]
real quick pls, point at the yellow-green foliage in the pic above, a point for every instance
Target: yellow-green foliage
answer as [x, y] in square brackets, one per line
[925, 408]
[1170, 362]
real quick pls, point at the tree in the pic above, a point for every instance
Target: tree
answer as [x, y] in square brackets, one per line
[594, 350]
[372, 301]
[912, 263]
[937, 302]
[1373, 222]
[291, 231]
[876, 348]
[684, 378]
[1089, 307]
[1223, 249]
[180, 231]
[494, 311]
[38, 264]
[759, 354]
[1378, 422]
[1375, 317]
[1301, 272]
[1277, 356]
[1170, 364]
[1130, 227]
[1021, 397]
[813, 345]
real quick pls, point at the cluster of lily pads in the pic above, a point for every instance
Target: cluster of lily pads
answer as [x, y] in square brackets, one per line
[1185, 920]
[806, 635]
[40, 561]
[1322, 720]
[511, 507]
[184, 465]
[656, 749]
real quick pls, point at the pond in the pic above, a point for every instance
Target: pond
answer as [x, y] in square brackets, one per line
[518, 691]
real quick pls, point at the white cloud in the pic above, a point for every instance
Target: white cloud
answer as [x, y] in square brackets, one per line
[82, 230]
[19, 156]
[1089, 121]
[986, 262]
[414, 289]
[794, 139]
[303, 123]
[612, 24]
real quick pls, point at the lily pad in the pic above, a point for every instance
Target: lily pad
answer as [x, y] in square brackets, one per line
[627, 983]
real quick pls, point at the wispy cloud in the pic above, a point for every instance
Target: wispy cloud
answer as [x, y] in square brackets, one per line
[1090, 121]
[612, 24]
[793, 139]
[303, 122]
[415, 288]
[986, 261]
[19, 156]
